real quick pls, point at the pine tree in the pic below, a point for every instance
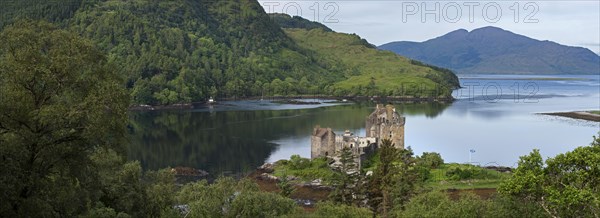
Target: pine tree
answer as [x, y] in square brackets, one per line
[382, 181]
[348, 180]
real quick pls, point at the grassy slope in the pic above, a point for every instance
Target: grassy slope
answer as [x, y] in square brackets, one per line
[484, 178]
[389, 70]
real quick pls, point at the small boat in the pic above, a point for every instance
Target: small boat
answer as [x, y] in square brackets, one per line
[211, 101]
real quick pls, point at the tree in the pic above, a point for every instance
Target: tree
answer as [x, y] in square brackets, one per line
[568, 185]
[261, 204]
[408, 178]
[347, 181]
[285, 187]
[396, 179]
[382, 180]
[228, 198]
[59, 102]
[431, 160]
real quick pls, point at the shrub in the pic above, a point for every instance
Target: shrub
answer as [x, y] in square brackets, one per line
[431, 160]
[463, 172]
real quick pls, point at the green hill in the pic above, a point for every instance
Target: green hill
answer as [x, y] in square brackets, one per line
[368, 71]
[184, 51]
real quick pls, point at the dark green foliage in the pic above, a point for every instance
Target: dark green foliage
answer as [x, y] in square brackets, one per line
[348, 182]
[184, 51]
[463, 172]
[437, 204]
[408, 179]
[261, 204]
[431, 160]
[566, 185]
[187, 51]
[287, 21]
[228, 198]
[305, 169]
[381, 183]
[126, 189]
[396, 180]
[285, 187]
[298, 163]
[60, 101]
[48, 10]
[62, 121]
[328, 209]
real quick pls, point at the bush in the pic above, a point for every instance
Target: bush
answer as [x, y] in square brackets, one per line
[298, 163]
[328, 209]
[463, 172]
[305, 168]
[438, 204]
[431, 160]
[261, 204]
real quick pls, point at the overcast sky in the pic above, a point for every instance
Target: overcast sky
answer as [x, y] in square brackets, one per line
[574, 23]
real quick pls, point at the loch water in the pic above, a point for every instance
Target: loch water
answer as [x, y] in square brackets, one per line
[494, 115]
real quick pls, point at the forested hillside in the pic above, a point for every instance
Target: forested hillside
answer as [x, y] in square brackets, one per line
[182, 51]
[185, 51]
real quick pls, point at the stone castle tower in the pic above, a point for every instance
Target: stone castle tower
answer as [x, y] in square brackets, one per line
[322, 142]
[386, 123]
[383, 123]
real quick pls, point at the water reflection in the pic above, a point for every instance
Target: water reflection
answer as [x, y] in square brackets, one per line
[239, 140]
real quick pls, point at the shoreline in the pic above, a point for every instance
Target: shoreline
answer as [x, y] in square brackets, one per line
[580, 115]
[281, 99]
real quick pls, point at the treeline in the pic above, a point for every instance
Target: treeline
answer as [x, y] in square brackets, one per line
[287, 21]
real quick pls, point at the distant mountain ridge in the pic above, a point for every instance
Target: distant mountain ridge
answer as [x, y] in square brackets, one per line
[492, 50]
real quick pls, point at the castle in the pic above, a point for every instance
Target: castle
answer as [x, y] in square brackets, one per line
[383, 123]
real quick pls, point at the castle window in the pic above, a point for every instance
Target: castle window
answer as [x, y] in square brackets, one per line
[326, 153]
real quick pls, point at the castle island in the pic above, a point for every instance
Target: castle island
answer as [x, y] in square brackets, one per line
[383, 123]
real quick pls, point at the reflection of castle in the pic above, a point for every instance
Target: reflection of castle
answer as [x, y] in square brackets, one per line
[383, 123]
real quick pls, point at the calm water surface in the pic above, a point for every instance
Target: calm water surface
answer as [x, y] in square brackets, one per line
[494, 115]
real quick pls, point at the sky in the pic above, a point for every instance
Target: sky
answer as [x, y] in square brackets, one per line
[573, 23]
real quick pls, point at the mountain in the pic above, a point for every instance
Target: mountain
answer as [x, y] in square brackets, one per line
[183, 51]
[491, 50]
